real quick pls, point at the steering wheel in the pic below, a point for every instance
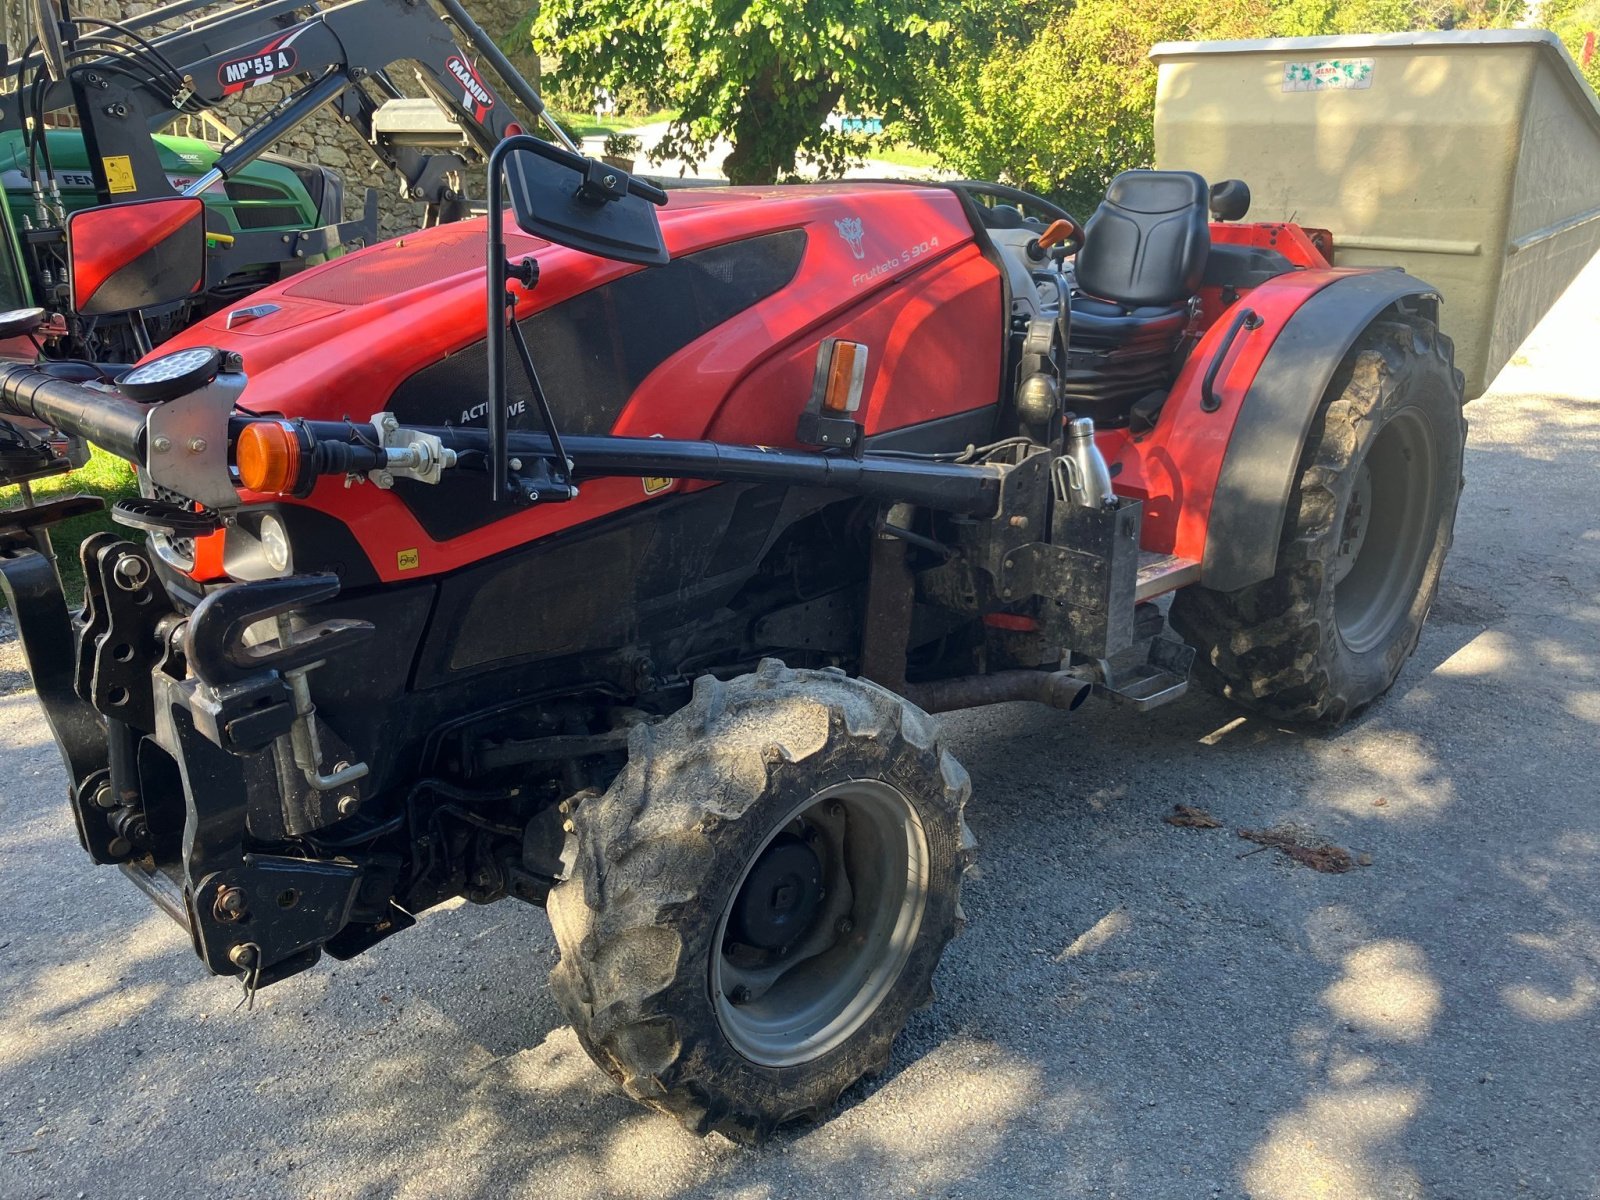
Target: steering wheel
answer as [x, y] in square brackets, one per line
[1021, 200]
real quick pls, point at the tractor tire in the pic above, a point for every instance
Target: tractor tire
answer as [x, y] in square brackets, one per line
[759, 901]
[1369, 523]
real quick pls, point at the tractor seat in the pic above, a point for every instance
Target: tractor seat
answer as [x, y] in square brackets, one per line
[1147, 243]
[1144, 253]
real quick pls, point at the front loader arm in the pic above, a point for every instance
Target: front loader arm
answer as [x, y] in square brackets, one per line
[334, 50]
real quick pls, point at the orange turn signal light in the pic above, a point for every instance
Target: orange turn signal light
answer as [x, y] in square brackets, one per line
[267, 454]
[847, 369]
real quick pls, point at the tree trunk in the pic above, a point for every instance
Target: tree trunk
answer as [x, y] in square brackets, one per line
[767, 133]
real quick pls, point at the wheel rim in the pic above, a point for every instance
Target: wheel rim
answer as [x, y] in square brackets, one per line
[1386, 532]
[813, 969]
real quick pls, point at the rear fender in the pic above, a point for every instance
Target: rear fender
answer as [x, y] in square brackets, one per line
[1216, 475]
[1251, 499]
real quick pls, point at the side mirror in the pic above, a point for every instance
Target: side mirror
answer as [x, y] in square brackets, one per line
[584, 203]
[140, 254]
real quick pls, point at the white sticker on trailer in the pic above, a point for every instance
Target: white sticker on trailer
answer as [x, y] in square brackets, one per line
[1328, 75]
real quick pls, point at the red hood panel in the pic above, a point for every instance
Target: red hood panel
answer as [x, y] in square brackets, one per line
[350, 330]
[893, 267]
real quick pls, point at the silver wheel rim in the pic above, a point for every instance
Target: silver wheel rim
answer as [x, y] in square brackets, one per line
[782, 1007]
[1386, 532]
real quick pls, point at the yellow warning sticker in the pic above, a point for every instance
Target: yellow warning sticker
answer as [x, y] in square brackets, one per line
[407, 560]
[119, 173]
[655, 484]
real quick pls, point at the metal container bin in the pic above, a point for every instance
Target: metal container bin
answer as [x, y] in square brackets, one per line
[1472, 160]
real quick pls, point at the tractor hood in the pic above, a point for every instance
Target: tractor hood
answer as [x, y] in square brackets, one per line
[341, 338]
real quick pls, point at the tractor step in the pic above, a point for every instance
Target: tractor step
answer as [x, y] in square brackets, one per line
[1163, 573]
[1162, 678]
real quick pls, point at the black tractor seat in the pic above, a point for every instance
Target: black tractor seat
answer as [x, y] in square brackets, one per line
[1147, 243]
[1143, 258]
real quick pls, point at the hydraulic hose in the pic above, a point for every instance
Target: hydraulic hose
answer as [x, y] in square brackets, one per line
[112, 422]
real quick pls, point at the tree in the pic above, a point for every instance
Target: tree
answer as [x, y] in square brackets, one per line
[765, 74]
[1571, 20]
[1066, 105]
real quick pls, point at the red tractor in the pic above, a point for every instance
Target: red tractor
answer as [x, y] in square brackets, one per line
[650, 634]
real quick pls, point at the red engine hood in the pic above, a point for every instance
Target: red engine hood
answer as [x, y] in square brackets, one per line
[891, 266]
[337, 339]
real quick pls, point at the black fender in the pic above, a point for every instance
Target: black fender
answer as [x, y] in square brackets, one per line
[1263, 455]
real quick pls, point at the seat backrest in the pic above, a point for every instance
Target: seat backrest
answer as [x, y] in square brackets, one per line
[1147, 242]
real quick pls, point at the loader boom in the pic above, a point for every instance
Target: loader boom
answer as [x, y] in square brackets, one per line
[121, 102]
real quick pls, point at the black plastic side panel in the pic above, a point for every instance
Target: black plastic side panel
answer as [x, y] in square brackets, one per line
[611, 584]
[1263, 456]
[592, 351]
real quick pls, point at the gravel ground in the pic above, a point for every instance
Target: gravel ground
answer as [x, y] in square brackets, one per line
[1135, 1010]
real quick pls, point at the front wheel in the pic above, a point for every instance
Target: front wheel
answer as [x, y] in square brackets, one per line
[759, 901]
[1369, 524]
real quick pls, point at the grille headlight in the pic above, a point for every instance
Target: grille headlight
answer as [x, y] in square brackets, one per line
[275, 544]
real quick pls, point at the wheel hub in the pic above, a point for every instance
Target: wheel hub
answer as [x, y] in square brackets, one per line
[821, 923]
[780, 897]
[1386, 532]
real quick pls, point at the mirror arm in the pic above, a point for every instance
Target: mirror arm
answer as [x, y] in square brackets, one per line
[495, 335]
[562, 463]
[601, 185]
[502, 316]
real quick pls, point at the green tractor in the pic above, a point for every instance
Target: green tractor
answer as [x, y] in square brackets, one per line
[269, 195]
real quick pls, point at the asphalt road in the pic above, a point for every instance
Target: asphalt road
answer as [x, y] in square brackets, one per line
[1135, 1010]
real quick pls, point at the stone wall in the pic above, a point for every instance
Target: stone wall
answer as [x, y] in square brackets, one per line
[324, 139]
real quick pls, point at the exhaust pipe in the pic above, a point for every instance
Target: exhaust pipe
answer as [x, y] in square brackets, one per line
[110, 421]
[1058, 689]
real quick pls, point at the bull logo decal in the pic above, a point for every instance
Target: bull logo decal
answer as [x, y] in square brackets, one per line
[851, 231]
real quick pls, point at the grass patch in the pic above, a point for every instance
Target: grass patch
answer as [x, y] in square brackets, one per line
[103, 475]
[582, 125]
[903, 156]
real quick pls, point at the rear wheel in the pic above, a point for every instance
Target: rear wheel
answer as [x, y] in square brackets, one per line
[759, 901]
[1369, 524]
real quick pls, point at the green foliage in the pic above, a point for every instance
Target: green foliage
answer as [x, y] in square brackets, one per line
[1062, 107]
[1052, 95]
[623, 145]
[765, 74]
[1570, 20]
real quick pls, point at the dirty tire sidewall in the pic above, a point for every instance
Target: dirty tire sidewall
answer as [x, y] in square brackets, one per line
[661, 853]
[1275, 647]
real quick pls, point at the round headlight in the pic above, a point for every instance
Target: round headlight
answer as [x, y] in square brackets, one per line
[172, 375]
[275, 543]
